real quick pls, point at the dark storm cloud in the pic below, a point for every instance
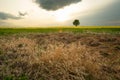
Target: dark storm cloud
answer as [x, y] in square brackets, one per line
[5, 16]
[55, 4]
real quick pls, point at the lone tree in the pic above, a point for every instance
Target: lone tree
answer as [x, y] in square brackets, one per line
[76, 22]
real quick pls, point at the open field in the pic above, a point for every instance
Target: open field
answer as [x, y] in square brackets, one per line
[79, 29]
[60, 54]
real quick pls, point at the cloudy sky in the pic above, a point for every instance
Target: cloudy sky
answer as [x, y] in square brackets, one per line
[30, 13]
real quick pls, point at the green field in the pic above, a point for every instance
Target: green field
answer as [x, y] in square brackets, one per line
[5, 31]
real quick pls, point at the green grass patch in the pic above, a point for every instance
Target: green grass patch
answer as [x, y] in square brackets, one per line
[22, 77]
[6, 31]
[1, 52]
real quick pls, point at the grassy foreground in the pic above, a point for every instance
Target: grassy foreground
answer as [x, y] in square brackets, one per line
[60, 54]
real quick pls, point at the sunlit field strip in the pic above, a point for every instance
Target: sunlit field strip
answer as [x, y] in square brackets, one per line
[62, 27]
[84, 27]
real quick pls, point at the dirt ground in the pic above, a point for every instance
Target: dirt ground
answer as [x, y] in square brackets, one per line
[60, 56]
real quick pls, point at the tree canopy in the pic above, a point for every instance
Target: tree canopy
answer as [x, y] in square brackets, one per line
[76, 22]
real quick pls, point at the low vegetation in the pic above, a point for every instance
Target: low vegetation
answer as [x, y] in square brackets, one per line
[60, 55]
[78, 29]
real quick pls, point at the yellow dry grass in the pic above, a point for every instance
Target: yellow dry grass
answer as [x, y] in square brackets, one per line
[44, 57]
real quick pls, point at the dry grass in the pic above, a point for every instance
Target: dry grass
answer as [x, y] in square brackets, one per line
[60, 56]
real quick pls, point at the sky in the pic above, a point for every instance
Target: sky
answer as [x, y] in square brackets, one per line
[45, 13]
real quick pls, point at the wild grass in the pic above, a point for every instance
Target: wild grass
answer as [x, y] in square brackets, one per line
[59, 56]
